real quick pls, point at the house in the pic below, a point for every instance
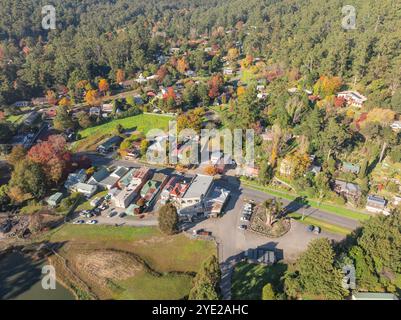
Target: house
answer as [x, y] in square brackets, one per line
[39, 101]
[396, 126]
[131, 184]
[174, 189]
[262, 256]
[107, 107]
[315, 169]
[22, 104]
[55, 199]
[374, 296]
[109, 145]
[99, 175]
[31, 118]
[112, 179]
[376, 204]
[192, 202]
[215, 201]
[94, 111]
[397, 200]
[88, 190]
[141, 79]
[152, 187]
[228, 71]
[348, 190]
[352, 168]
[74, 178]
[353, 98]
[190, 73]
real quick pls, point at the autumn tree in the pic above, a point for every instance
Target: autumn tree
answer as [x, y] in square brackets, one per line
[103, 86]
[232, 54]
[64, 102]
[182, 65]
[27, 180]
[18, 153]
[53, 156]
[327, 86]
[120, 76]
[215, 84]
[210, 170]
[268, 292]
[84, 120]
[51, 97]
[168, 219]
[92, 98]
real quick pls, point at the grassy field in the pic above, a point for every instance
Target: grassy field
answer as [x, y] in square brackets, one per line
[142, 122]
[145, 286]
[15, 118]
[87, 233]
[249, 279]
[169, 261]
[338, 210]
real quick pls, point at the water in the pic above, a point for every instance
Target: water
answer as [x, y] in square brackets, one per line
[20, 279]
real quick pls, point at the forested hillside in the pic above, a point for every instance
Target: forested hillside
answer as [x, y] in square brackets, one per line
[97, 37]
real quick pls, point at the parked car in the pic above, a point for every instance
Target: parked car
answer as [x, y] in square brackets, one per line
[245, 218]
[91, 222]
[122, 215]
[89, 215]
[310, 228]
[316, 230]
[83, 213]
[79, 222]
[242, 227]
[111, 214]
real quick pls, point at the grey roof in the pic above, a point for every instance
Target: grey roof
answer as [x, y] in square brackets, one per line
[377, 200]
[101, 174]
[200, 185]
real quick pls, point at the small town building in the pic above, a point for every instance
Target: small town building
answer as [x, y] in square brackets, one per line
[192, 202]
[396, 126]
[88, 190]
[376, 204]
[352, 168]
[101, 174]
[22, 104]
[55, 199]
[215, 201]
[112, 179]
[74, 178]
[353, 98]
[348, 190]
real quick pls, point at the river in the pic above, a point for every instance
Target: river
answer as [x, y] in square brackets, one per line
[20, 279]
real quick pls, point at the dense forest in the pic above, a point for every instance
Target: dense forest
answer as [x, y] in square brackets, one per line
[94, 38]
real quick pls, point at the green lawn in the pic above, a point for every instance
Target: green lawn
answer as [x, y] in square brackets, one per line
[145, 286]
[249, 279]
[102, 232]
[332, 228]
[338, 210]
[142, 122]
[15, 118]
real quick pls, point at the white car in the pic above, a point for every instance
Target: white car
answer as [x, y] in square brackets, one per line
[91, 222]
[79, 222]
[245, 218]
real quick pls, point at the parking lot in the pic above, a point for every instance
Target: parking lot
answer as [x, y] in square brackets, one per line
[113, 216]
